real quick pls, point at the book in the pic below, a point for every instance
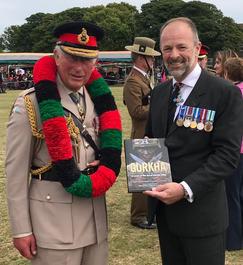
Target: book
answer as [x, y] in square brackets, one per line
[147, 163]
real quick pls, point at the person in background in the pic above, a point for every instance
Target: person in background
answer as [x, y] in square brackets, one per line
[233, 71]
[2, 89]
[203, 56]
[58, 216]
[220, 58]
[136, 95]
[198, 114]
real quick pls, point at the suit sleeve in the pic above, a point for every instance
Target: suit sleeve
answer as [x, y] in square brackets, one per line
[133, 98]
[19, 151]
[225, 144]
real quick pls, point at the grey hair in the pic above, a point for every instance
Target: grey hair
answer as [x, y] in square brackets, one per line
[187, 21]
[59, 49]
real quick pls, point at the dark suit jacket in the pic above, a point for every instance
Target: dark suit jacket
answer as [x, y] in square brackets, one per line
[202, 159]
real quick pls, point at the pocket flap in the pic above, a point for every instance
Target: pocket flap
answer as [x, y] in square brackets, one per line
[48, 191]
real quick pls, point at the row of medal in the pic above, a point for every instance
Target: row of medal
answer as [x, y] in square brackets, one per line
[195, 118]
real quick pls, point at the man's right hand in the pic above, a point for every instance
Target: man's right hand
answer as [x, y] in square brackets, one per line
[26, 246]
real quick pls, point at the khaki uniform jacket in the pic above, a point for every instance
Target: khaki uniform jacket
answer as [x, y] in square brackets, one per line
[58, 219]
[136, 87]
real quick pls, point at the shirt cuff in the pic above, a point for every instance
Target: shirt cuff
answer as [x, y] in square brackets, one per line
[188, 191]
[22, 235]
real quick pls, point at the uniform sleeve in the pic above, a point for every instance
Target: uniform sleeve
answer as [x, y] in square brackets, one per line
[19, 150]
[133, 99]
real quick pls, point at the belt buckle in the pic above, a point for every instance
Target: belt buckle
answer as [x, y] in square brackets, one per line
[89, 170]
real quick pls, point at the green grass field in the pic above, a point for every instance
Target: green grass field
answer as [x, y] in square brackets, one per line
[128, 245]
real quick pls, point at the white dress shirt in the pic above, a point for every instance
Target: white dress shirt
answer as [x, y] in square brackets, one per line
[188, 84]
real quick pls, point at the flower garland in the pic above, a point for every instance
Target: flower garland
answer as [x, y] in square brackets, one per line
[58, 139]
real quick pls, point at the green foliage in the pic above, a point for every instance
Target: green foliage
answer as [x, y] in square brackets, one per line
[1, 44]
[153, 15]
[232, 34]
[117, 20]
[10, 38]
[215, 30]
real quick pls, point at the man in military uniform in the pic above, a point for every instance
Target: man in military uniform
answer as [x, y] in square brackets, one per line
[2, 90]
[203, 56]
[59, 216]
[136, 95]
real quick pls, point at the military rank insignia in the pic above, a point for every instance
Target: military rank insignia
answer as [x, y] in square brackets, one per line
[83, 37]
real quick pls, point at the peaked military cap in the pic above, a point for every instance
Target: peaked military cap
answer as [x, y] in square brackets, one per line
[203, 51]
[79, 38]
[144, 46]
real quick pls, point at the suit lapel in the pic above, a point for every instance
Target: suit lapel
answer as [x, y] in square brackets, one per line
[195, 96]
[198, 91]
[163, 106]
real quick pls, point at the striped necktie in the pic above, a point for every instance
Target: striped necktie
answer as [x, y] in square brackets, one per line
[75, 96]
[173, 101]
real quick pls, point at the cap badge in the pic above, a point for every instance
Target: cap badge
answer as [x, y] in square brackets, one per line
[142, 48]
[83, 37]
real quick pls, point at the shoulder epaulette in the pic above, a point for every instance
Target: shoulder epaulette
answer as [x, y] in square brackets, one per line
[27, 92]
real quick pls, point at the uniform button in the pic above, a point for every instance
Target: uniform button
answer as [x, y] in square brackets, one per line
[48, 197]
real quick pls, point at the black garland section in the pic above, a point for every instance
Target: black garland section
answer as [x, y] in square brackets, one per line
[66, 172]
[46, 90]
[104, 103]
[111, 158]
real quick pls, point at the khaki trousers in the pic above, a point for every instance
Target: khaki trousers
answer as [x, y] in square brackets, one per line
[90, 255]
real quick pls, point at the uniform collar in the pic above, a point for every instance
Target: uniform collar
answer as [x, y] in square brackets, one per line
[140, 71]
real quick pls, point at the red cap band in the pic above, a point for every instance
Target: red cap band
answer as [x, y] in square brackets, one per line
[73, 38]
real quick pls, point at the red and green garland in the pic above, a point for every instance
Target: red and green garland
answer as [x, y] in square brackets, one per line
[58, 139]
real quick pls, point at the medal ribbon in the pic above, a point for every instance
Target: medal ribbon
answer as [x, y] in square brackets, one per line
[211, 119]
[197, 114]
[182, 112]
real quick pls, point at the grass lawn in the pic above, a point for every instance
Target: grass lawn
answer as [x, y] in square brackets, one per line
[128, 245]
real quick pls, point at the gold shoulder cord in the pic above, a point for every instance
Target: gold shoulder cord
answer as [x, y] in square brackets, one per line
[74, 134]
[39, 135]
[72, 129]
[32, 118]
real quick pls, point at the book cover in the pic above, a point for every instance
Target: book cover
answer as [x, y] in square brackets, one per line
[147, 163]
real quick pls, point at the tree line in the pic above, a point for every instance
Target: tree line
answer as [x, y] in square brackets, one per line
[122, 22]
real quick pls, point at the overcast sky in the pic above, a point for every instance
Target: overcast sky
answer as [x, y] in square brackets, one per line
[14, 12]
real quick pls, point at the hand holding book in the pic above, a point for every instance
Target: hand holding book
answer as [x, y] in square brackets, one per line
[147, 164]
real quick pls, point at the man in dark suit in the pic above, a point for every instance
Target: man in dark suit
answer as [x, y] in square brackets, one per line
[201, 123]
